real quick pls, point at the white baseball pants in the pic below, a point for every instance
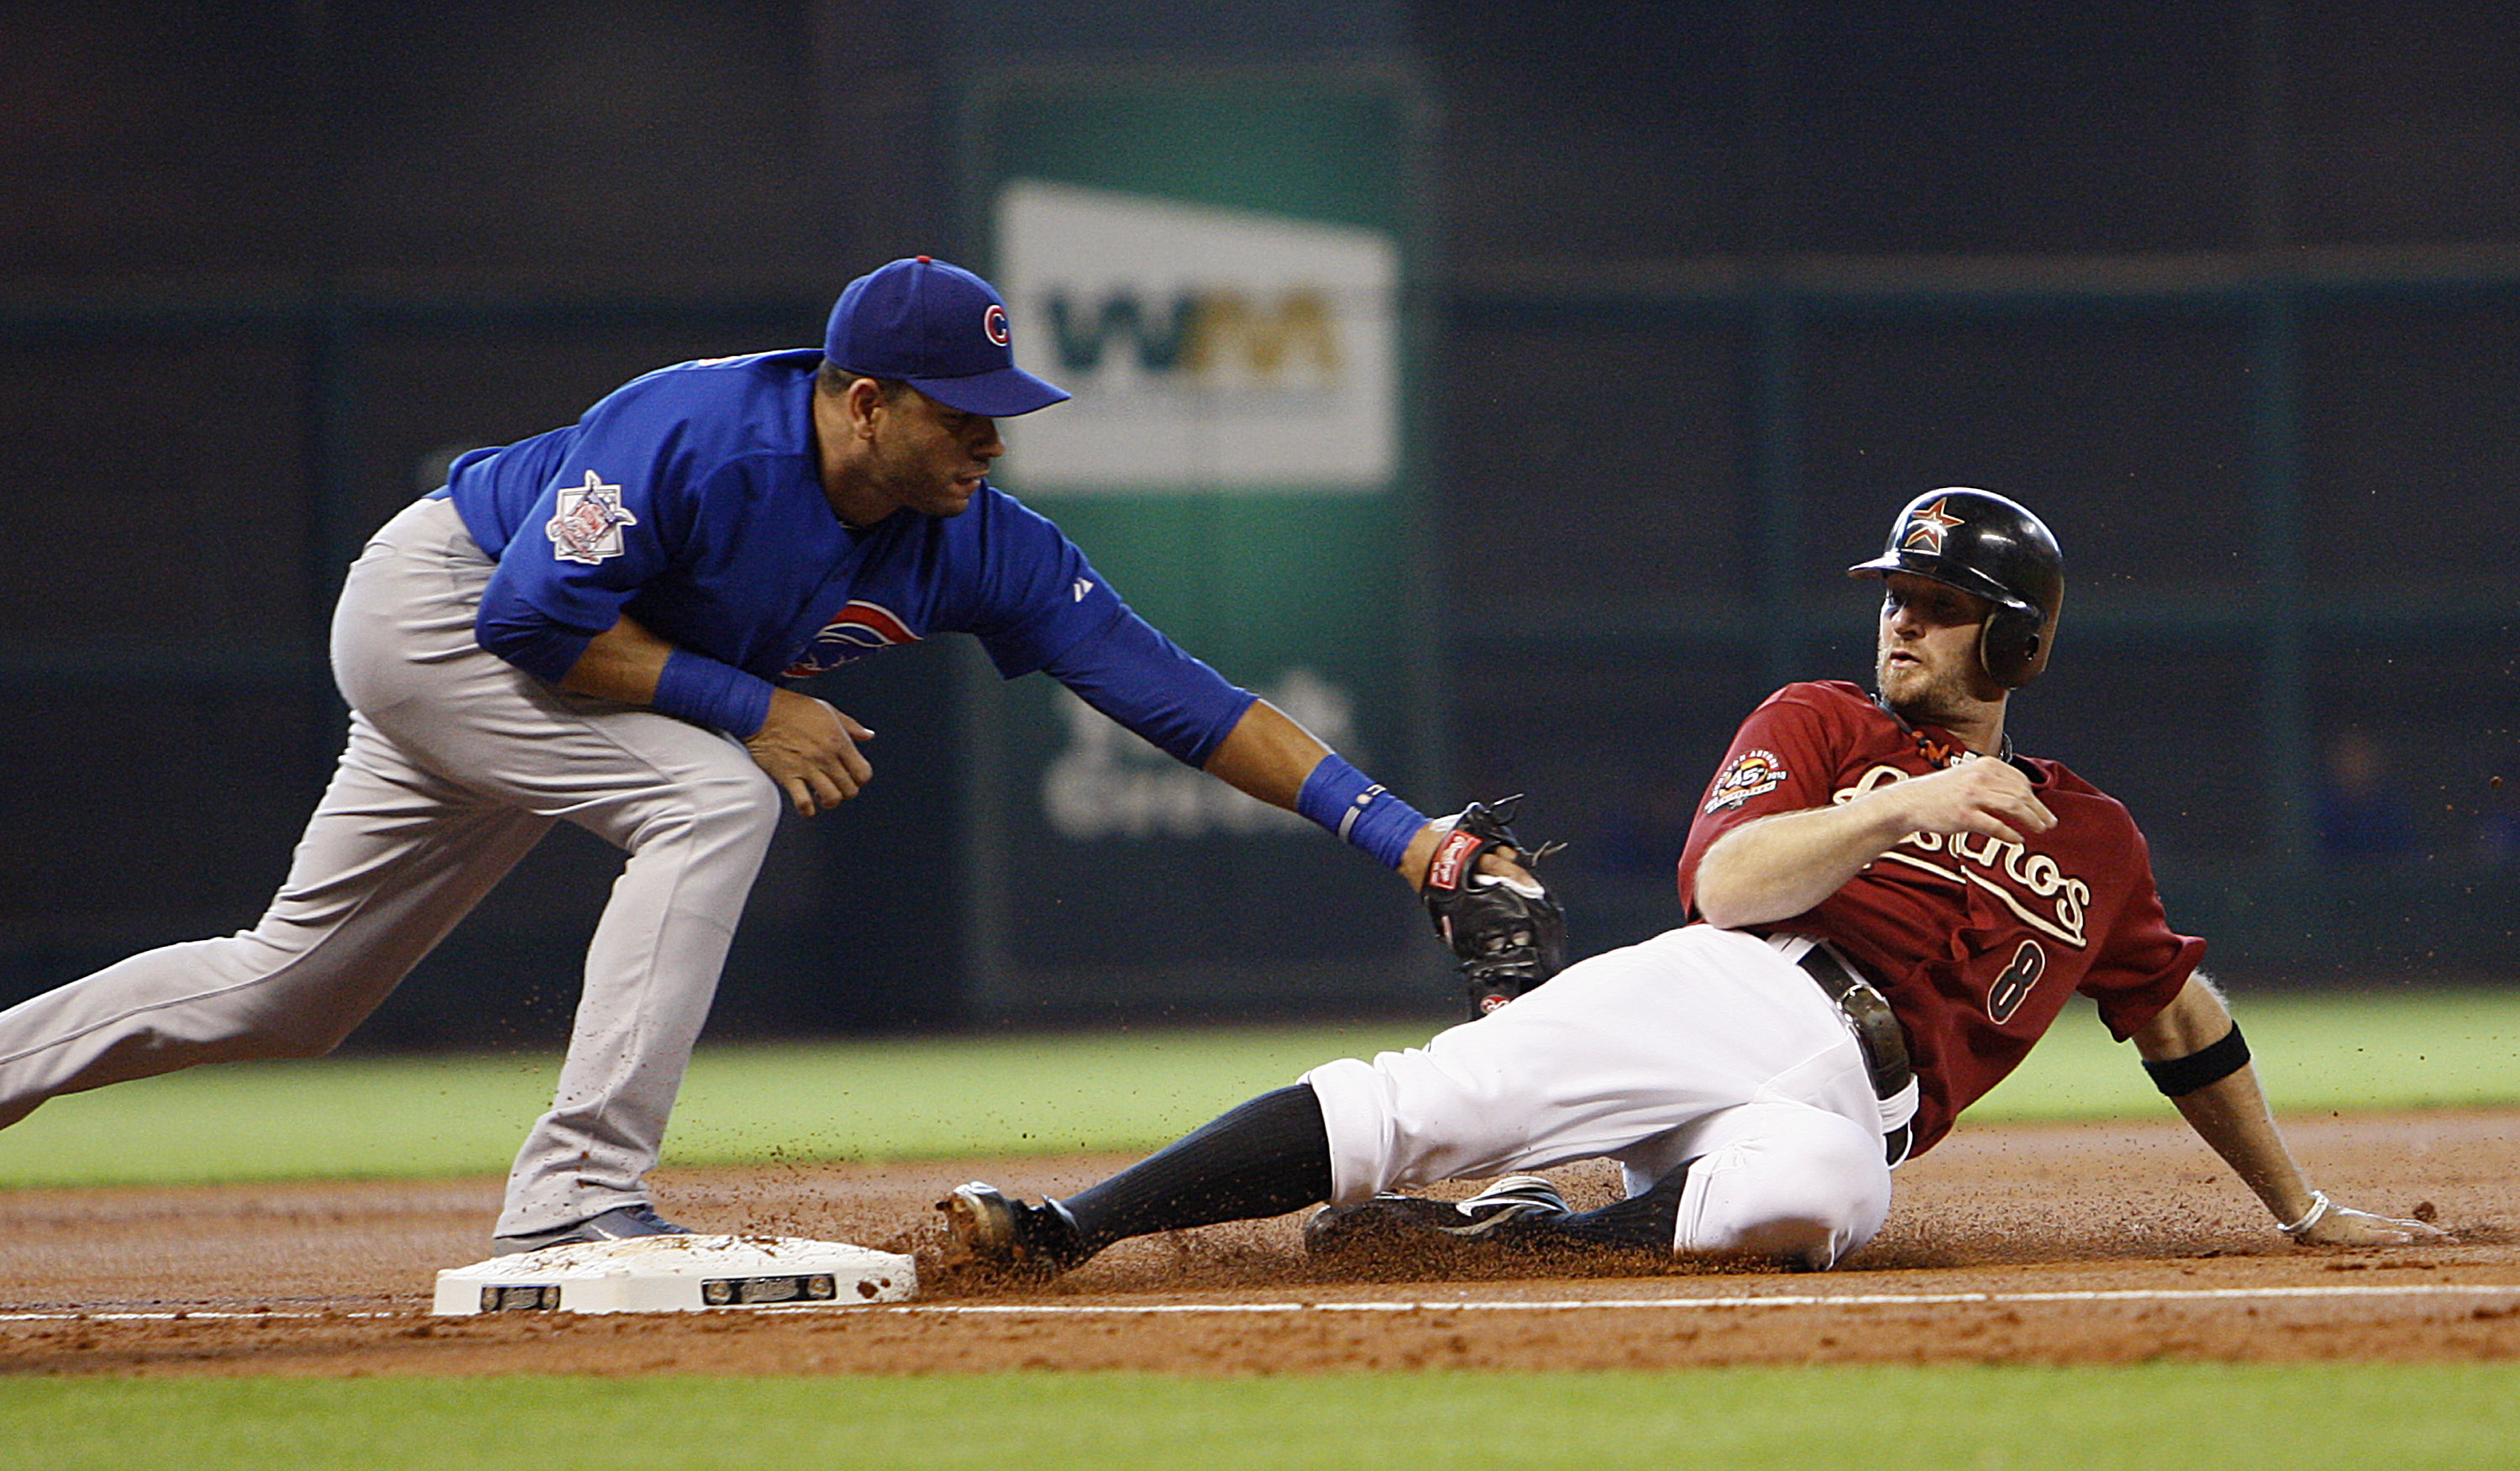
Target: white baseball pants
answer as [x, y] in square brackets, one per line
[457, 762]
[1700, 1044]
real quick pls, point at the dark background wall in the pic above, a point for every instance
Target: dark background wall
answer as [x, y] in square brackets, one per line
[2230, 291]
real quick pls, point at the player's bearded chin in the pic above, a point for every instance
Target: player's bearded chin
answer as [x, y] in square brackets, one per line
[1919, 694]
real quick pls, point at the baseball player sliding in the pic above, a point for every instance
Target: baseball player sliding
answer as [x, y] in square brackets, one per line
[599, 625]
[1889, 908]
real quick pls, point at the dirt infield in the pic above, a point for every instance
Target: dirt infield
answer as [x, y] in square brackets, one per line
[2091, 1243]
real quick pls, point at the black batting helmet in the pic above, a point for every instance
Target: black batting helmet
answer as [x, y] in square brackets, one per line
[1981, 543]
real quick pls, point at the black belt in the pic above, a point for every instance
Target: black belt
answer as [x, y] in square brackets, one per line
[1876, 1031]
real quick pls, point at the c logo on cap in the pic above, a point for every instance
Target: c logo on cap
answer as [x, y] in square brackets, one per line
[994, 323]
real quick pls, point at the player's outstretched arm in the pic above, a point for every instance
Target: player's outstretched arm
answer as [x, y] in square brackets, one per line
[2192, 1038]
[1782, 865]
[1502, 926]
[1267, 755]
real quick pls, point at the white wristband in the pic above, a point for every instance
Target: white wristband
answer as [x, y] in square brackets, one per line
[2319, 1204]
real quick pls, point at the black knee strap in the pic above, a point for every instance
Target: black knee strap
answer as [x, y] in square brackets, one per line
[2177, 1077]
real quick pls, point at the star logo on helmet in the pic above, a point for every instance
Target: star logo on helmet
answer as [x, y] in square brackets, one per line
[1927, 528]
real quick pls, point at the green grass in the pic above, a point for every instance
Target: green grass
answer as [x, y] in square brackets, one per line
[2146, 1417]
[2314, 1053]
[921, 1099]
[935, 1099]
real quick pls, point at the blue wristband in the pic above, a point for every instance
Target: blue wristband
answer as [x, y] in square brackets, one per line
[1360, 810]
[705, 691]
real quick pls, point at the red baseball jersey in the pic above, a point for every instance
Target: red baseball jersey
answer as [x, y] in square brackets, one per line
[1976, 942]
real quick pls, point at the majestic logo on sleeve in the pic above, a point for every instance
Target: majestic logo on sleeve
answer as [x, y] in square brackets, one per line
[588, 527]
[1927, 528]
[858, 629]
[1752, 774]
[2039, 893]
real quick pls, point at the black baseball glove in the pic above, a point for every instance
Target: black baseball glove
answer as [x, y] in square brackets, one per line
[1508, 937]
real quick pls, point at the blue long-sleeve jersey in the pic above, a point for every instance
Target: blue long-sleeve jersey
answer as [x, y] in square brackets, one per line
[691, 498]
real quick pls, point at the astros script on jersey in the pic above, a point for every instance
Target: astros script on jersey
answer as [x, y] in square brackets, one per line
[1977, 942]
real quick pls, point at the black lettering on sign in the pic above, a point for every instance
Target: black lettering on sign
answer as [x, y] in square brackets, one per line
[2020, 978]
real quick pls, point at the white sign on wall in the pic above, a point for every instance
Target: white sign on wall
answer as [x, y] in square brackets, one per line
[1107, 783]
[1208, 348]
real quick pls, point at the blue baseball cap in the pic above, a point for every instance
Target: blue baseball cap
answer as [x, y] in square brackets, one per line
[941, 328]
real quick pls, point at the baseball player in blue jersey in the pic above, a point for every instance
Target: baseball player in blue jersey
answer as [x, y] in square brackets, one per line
[595, 626]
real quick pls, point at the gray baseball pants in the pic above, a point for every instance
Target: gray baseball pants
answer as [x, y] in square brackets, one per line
[457, 762]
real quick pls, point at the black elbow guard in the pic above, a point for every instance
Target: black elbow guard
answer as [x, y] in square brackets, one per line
[2177, 1077]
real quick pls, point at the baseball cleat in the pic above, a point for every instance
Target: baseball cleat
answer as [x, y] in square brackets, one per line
[619, 1223]
[993, 1231]
[1514, 1197]
[1506, 1211]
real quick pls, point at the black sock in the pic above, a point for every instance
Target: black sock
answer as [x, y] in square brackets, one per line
[1265, 1158]
[1647, 1222]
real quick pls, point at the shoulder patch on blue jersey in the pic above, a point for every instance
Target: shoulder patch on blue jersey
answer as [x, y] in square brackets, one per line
[588, 527]
[1082, 587]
